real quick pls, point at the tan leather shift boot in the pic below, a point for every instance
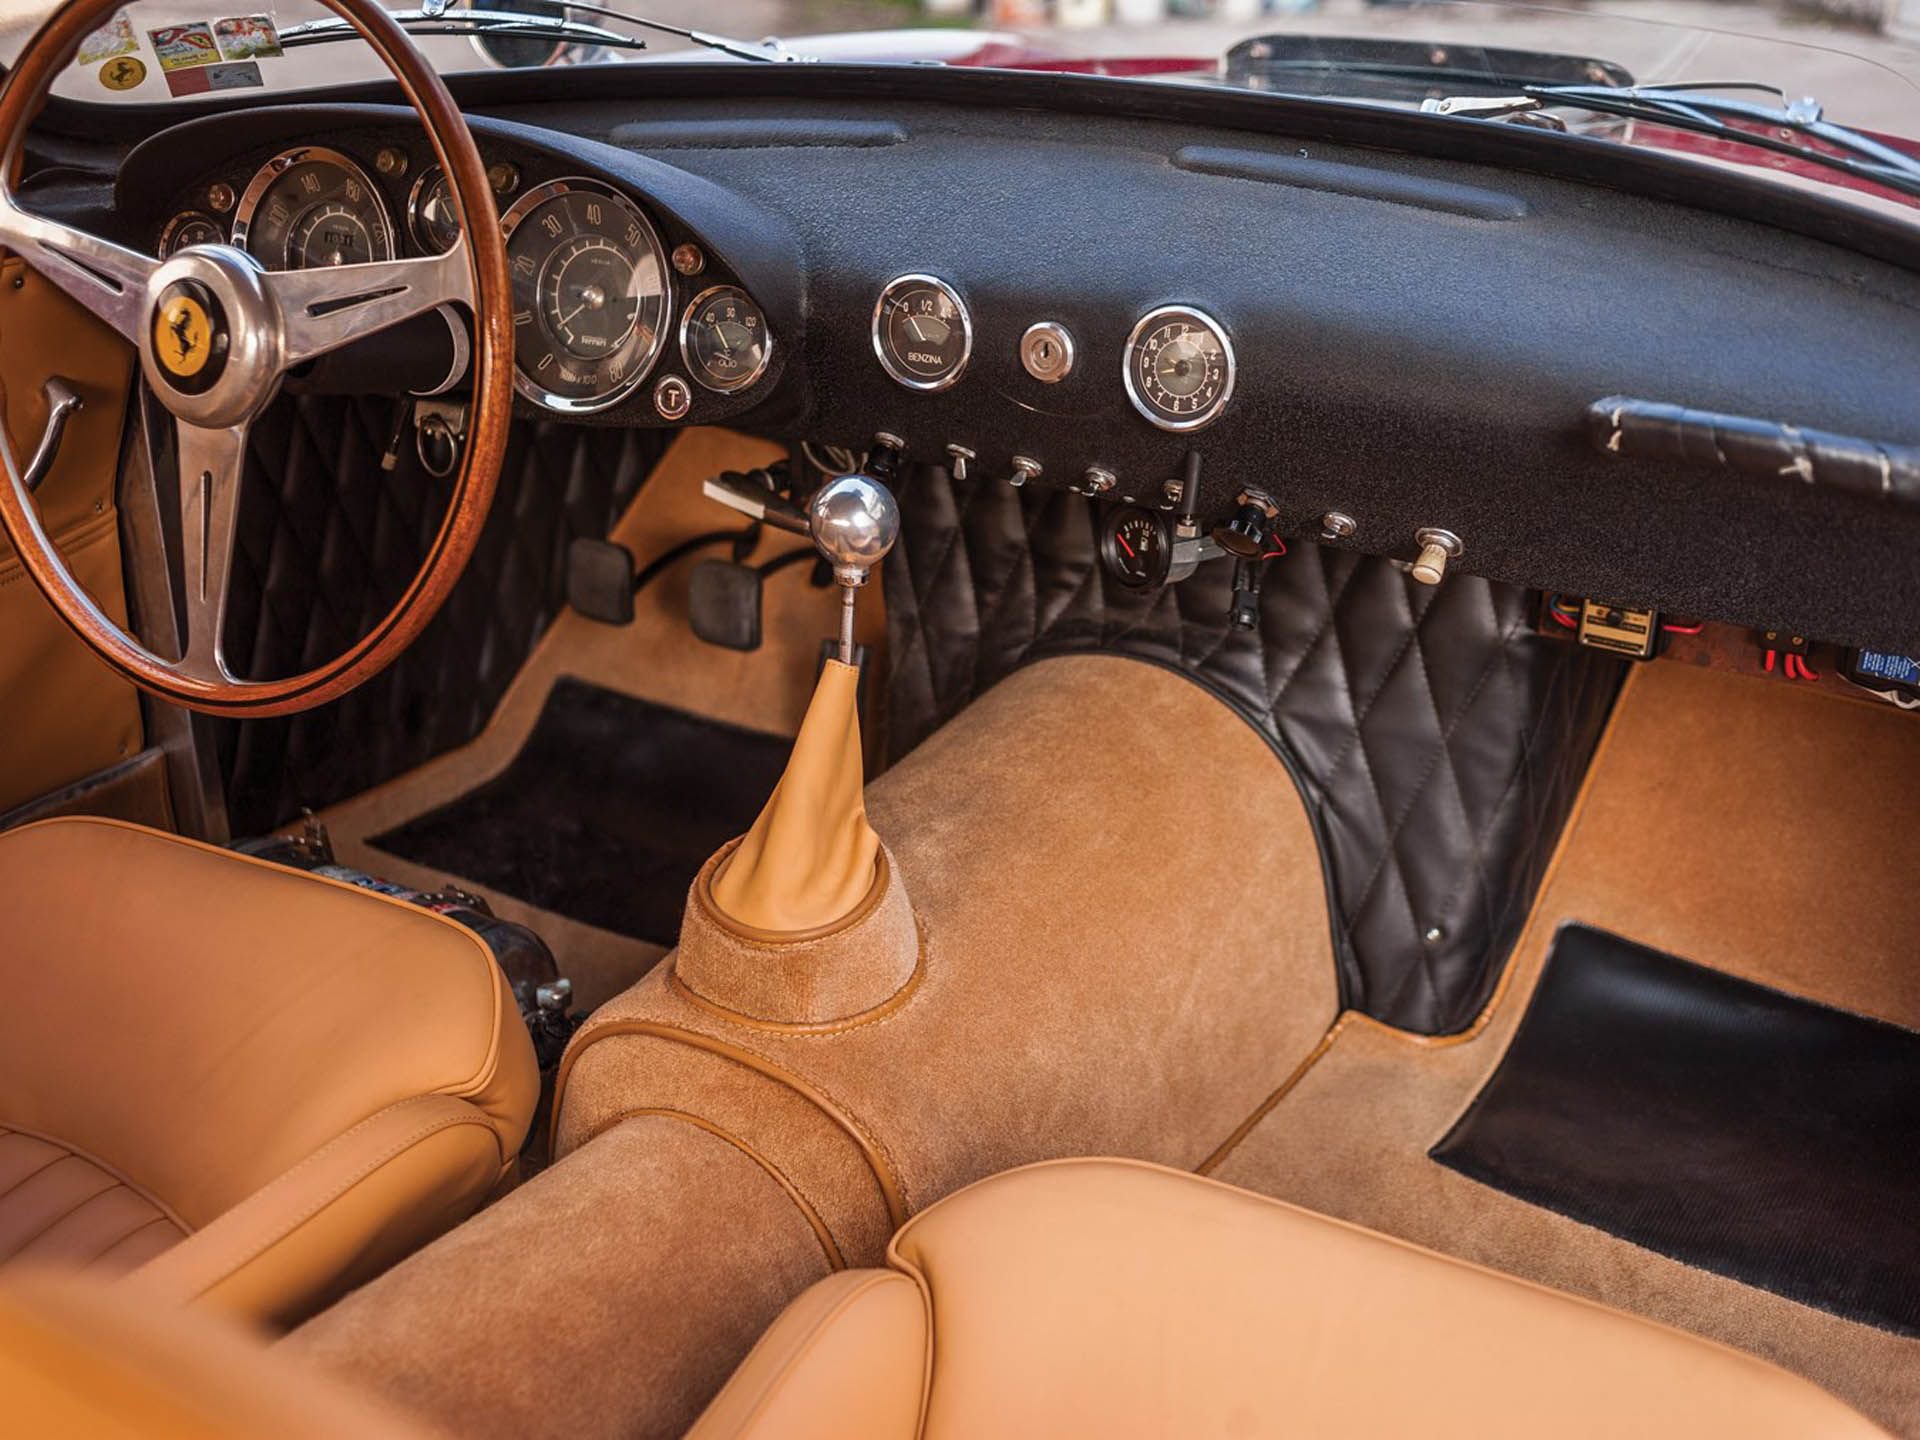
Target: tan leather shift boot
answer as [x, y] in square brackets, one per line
[809, 860]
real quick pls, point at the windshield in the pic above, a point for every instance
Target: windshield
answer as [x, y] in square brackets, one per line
[1859, 59]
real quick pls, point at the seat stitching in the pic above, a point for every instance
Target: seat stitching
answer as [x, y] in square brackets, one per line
[67, 1214]
[115, 1244]
[114, 1172]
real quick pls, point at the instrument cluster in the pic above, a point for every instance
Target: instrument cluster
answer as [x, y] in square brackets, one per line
[600, 297]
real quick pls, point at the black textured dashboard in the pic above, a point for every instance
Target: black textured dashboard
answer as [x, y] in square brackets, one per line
[1418, 339]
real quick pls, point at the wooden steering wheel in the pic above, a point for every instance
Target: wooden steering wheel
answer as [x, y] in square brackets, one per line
[216, 333]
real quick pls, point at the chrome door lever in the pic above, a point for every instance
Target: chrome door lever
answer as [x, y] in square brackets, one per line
[62, 401]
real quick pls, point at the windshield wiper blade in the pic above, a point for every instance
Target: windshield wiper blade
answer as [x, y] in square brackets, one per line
[506, 24]
[763, 51]
[1706, 108]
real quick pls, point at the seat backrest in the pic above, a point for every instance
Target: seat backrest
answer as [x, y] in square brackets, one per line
[201, 1021]
[1117, 1299]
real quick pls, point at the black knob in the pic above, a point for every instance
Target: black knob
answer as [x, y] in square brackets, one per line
[1244, 536]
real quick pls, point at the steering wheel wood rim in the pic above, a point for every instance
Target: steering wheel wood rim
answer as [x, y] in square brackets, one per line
[488, 296]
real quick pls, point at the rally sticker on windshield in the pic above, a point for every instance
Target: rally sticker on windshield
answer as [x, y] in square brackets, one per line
[181, 47]
[247, 37]
[116, 37]
[202, 79]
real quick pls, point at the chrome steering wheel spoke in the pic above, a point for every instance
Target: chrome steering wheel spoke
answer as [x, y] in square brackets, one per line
[212, 462]
[108, 279]
[326, 307]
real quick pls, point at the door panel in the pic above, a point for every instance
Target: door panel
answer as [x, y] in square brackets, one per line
[63, 713]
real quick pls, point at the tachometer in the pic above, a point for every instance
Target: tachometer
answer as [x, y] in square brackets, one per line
[312, 207]
[922, 332]
[589, 294]
[724, 339]
[1179, 368]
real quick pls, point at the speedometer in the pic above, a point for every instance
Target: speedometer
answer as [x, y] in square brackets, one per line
[312, 207]
[1179, 368]
[589, 294]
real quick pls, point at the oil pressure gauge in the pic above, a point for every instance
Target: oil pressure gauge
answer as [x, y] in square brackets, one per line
[724, 339]
[922, 333]
[1136, 546]
[1179, 368]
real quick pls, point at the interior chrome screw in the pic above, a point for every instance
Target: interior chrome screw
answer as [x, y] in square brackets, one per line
[1338, 525]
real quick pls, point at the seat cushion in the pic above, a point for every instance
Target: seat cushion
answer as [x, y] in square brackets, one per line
[1119, 1299]
[208, 1029]
[62, 1208]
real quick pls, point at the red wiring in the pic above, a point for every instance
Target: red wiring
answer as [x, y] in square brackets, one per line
[1564, 618]
[1772, 655]
[1279, 548]
[1684, 629]
[1798, 669]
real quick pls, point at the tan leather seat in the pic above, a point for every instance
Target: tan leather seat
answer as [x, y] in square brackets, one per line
[235, 1082]
[1117, 1299]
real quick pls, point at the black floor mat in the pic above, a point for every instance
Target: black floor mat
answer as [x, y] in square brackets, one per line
[1729, 1126]
[607, 812]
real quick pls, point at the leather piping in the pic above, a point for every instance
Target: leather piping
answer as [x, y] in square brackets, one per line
[756, 935]
[884, 1174]
[1503, 986]
[835, 1260]
[306, 1213]
[488, 1062]
[881, 1011]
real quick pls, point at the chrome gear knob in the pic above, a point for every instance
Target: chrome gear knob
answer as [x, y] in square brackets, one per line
[854, 522]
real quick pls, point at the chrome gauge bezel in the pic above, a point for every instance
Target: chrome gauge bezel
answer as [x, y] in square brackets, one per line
[877, 327]
[263, 178]
[1152, 320]
[417, 229]
[163, 248]
[693, 307]
[517, 212]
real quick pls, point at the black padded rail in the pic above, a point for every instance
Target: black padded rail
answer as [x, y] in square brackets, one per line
[1475, 202]
[1732, 1127]
[1436, 740]
[326, 542]
[606, 814]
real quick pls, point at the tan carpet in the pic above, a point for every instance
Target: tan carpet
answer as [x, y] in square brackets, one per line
[656, 658]
[1740, 822]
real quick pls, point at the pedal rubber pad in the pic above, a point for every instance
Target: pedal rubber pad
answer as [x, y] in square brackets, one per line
[723, 602]
[600, 580]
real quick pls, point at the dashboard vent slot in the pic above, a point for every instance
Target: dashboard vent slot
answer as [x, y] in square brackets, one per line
[769, 133]
[1360, 181]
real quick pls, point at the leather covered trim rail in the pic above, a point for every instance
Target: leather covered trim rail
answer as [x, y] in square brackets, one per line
[1764, 449]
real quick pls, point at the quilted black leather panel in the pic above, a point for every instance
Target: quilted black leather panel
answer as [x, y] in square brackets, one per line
[326, 542]
[1438, 743]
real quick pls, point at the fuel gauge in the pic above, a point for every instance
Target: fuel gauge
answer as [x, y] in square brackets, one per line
[1136, 546]
[724, 339]
[922, 332]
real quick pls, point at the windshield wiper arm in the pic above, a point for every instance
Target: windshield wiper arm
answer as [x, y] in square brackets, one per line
[501, 23]
[441, 19]
[1706, 109]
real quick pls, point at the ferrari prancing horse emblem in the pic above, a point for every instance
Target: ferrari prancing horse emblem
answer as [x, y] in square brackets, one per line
[182, 336]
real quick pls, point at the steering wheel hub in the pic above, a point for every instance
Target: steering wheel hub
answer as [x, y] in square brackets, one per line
[211, 351]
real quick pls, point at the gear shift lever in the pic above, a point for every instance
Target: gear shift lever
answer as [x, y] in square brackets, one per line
[854, 522]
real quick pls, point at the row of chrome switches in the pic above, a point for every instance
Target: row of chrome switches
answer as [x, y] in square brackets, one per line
[1245, 536]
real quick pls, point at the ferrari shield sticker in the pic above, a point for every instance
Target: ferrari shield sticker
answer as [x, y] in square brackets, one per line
[181, 47]
[205, 78]
[116, 37]
[247, 37]
[123, 72]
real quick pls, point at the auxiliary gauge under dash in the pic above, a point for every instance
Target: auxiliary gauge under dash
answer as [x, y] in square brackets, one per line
[922, 333]
[1136, 546]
